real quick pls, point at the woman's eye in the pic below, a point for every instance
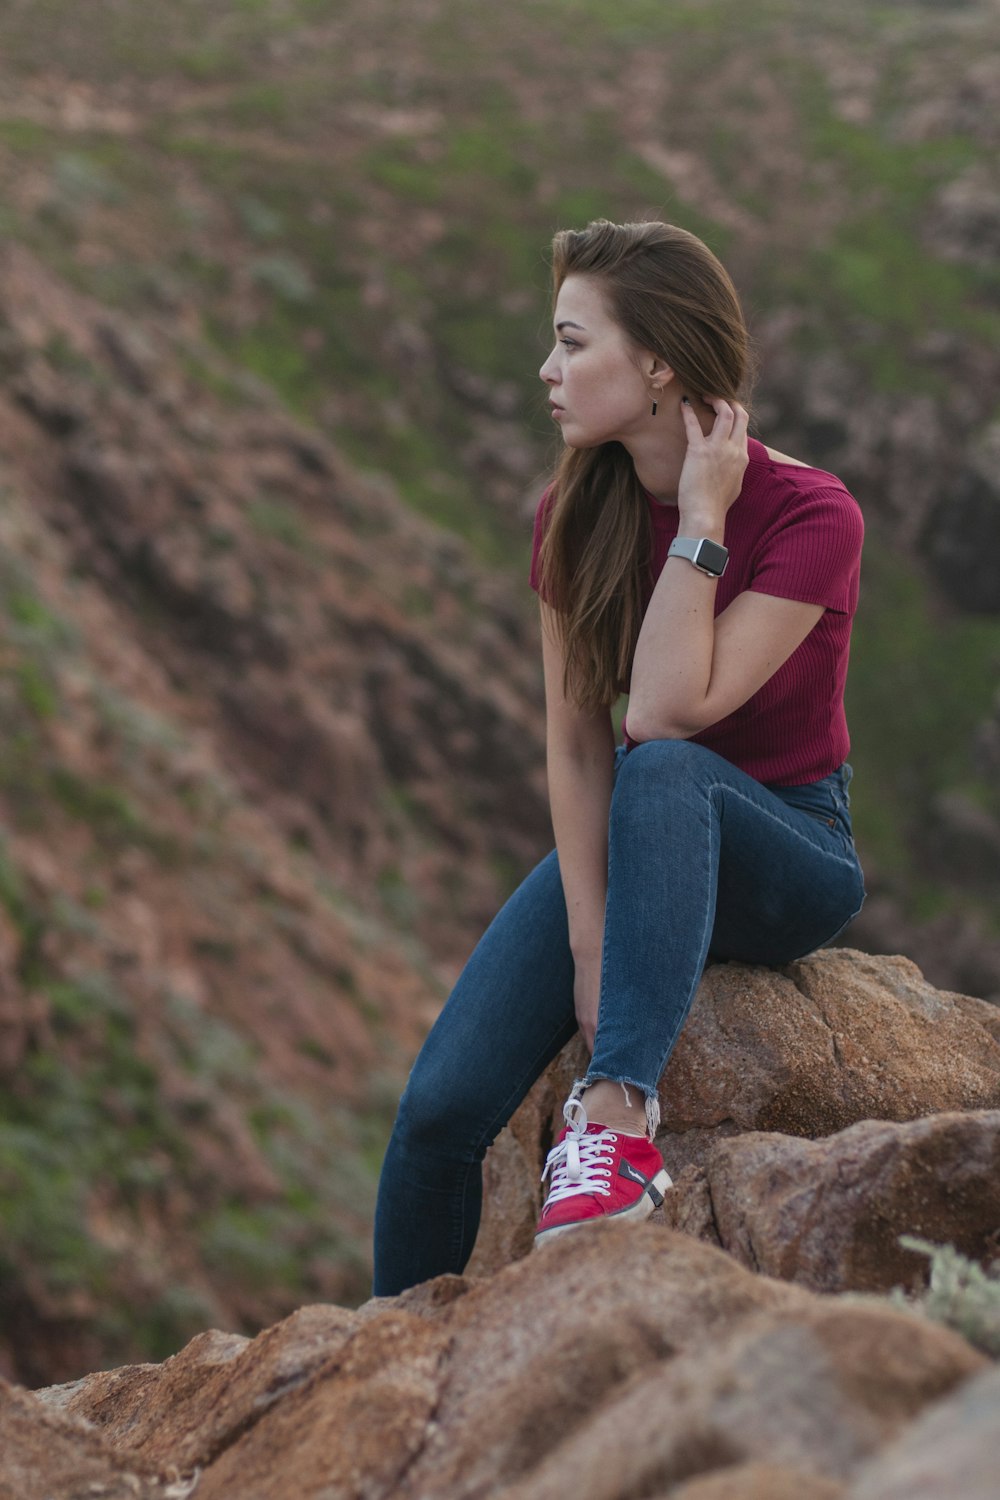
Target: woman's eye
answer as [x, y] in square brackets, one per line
[569, 343]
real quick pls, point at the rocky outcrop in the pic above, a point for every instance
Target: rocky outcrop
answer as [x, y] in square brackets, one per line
[836, 1038]
[762, 1481]
[952, 1450]
[809, 1052]
[626, 1361]
[830, 1213]
[43, 1456]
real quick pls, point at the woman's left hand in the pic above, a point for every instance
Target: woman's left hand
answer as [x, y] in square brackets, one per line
[714, 465]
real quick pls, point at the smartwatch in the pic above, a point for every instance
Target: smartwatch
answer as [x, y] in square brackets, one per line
[708, 557]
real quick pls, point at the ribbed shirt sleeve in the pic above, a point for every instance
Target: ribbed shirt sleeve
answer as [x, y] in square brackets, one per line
[811, 554]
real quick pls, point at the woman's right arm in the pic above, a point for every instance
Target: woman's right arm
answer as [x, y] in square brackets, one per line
[580, 749]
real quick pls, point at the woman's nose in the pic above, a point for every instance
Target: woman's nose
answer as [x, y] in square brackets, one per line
[548, 372]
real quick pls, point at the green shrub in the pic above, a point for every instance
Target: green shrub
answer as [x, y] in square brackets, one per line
[285, 275]
[38, 692]
[961, 1294]
[258, 218]
[251, 1245]
[80, 180]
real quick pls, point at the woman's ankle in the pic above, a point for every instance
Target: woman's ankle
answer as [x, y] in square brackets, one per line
[619, 1106]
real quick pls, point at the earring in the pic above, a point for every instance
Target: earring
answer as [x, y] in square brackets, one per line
[653, 412]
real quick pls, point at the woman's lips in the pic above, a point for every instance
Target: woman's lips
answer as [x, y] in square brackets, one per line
[556, 411]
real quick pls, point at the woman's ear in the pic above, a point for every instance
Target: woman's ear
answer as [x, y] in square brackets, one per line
[657, 371]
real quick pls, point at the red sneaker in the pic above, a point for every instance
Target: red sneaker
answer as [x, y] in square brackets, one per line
[598, 1173]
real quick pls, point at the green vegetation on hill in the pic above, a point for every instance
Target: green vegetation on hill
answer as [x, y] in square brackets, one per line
[921, 682]
[121, 1129]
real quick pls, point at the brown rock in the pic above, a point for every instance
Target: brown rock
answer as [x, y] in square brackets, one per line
[951, 1453]
[817, 1389]
[759, 1482]
[621, 1361]
[835, 1039]
[189, 1409]
[688, 1206]
[353, 1429]
[538, 1350]
[828, 1214]
[46, 1456]
[985, 1012]
[497, 1362]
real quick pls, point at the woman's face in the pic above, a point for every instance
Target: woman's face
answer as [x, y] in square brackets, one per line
[598, 391]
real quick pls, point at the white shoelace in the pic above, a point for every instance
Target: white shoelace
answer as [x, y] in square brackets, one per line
[580, 1163]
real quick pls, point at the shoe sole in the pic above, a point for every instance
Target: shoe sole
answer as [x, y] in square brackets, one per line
[640, 1209]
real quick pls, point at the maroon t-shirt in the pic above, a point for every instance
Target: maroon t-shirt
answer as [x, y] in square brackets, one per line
[796, 533]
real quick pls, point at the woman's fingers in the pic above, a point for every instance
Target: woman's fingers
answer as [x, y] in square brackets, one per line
[691, 423]
[715, 462]
[731, 417]
[724, 419]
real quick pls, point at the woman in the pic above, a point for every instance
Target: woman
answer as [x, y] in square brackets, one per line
[714, 580]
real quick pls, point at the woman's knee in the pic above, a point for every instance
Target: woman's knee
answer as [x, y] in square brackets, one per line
[659, 766]
[438, 1115]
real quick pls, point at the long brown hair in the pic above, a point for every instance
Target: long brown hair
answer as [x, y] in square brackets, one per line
[669, 294]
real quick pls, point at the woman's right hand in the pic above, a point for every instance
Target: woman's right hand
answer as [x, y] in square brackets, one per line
[587, 996]
[714, 466]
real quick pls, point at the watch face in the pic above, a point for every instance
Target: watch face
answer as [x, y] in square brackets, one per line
[712, 557]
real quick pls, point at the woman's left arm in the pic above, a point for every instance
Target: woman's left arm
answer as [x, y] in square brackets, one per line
[690, 669]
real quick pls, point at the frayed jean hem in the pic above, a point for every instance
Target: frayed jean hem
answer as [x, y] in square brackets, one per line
[650, 1096]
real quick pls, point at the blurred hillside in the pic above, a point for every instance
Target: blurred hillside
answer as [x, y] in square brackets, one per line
[273, 293]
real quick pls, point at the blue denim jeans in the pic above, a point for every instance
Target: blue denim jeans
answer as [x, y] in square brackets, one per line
[704, 864]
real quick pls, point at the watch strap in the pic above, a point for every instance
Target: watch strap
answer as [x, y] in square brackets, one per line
[691, 549]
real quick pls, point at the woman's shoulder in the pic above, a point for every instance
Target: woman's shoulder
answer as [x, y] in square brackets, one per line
[782, 466]
[783, 458]
[788, 480]
[787, 497]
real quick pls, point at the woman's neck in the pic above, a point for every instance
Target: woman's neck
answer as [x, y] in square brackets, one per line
[659, 450]
[657, 455]
[659, 473]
